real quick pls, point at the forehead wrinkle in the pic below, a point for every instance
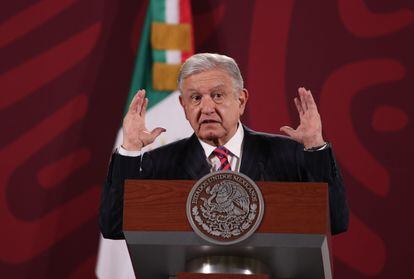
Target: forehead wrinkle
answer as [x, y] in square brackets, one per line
[206, 81]
[200, 88]
[217, 87]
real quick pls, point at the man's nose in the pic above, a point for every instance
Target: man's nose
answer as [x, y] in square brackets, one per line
[207, 105]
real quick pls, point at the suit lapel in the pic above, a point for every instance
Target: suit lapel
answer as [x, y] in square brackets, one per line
[253, 159]
[195, 161]
[252, 164]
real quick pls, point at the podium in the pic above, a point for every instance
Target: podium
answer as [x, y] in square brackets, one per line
[292, 241]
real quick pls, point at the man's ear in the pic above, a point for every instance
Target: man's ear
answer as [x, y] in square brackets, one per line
[180, 98]
[243, 97]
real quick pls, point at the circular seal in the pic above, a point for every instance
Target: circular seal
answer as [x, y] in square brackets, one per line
[225, 207]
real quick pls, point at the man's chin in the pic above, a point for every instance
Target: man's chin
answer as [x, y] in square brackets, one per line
[210, 135]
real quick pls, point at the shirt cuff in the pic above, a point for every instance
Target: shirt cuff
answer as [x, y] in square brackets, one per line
[122, 151]
[320, 148]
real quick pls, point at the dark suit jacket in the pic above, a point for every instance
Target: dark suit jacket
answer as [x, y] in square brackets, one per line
[265, 157]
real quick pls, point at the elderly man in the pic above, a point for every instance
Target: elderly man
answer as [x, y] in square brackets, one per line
[213, 99]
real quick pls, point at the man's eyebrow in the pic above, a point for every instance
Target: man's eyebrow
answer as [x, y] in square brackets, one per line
[217, 87]
[192, 91]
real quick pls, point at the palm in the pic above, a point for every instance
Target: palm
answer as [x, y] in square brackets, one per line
[309, 131]
[135, 133]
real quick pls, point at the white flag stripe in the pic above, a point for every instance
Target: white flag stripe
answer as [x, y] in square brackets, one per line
[172, 16]
[173, 56]
[113, 260]
[172, 11]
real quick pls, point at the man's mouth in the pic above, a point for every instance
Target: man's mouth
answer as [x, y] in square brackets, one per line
[209, 121]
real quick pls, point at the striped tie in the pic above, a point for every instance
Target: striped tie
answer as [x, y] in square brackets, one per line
[221, 152]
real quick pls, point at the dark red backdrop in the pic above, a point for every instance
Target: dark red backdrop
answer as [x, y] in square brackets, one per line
[64, 76]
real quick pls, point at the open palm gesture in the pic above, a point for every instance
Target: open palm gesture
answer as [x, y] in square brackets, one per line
[309, 131]
[135, 133]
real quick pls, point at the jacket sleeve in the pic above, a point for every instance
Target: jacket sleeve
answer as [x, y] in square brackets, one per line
[321, 166]
[112, 197]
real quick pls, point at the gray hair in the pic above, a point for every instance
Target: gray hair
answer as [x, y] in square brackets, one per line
[202, 62]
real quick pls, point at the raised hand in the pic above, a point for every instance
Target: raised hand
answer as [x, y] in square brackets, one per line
[309, 131]
[135, 134]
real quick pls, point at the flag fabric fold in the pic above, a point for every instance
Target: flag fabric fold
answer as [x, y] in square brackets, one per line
[166, 42]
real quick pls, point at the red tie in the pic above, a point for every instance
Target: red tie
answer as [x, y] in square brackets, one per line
[221, 152]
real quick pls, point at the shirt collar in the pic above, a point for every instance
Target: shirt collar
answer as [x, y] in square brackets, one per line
[234, 145]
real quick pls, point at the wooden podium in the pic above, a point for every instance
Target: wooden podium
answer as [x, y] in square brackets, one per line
[293, 240]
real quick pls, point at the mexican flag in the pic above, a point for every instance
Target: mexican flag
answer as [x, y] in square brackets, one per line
[166, 42]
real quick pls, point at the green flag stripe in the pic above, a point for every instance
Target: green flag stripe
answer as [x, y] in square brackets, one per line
[143, 62]
[142, 74]
[159, 55]
[158, 15]
[158, 10]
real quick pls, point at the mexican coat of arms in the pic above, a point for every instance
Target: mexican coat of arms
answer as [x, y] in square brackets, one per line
[225, 207]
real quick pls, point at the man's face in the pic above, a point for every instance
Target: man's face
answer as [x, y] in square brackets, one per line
[212, 105]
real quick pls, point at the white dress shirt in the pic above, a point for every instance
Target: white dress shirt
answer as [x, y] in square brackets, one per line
[234, 146]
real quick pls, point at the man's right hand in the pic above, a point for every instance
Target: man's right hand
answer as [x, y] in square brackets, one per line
[135, 134]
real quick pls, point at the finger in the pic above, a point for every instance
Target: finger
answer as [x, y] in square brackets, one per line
[302, 92]
[288, 131]
[133, 104]
[298, 106]
[310, 101]
[144, 107]
[140, 100]
[136, 101]
[156, 132]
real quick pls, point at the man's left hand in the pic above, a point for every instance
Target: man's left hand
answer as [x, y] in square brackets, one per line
[309, 131]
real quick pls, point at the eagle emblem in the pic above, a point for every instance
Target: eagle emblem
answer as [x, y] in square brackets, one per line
[225, 207]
